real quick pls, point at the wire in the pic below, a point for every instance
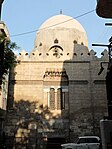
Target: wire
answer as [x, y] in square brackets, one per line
[29, 32]
[103, 34]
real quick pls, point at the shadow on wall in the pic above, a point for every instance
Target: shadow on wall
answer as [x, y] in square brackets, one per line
[28, 124]
[81, 104]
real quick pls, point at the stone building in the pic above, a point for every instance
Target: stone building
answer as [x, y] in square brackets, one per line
[3, 86]
[55, 91]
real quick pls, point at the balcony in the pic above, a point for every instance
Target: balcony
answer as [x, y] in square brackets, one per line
[104, 8]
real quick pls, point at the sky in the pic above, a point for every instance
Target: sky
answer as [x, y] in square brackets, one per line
[23, 16]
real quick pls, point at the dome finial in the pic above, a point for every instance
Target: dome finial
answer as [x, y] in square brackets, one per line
[61, 12]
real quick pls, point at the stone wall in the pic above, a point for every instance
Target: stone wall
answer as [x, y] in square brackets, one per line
[85, 95]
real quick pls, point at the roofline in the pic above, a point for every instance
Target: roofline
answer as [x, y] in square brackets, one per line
[4, 29]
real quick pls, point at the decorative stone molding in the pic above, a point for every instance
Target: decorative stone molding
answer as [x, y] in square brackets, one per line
[79, 82]
[99, 81]
[55, 73]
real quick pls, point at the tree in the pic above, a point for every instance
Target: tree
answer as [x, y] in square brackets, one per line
[7, 56]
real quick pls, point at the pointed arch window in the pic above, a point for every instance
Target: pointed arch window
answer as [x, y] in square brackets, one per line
[55, 94]
[60, 99]
[52, 99]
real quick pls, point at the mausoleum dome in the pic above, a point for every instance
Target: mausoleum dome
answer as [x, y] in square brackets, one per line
[65, 29]
[62, 21]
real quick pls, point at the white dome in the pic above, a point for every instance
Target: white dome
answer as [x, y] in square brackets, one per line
[62, 21]
[65, 29]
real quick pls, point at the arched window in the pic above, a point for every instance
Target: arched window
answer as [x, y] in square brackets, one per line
[60, 99]
[56, 88]
[52, 99]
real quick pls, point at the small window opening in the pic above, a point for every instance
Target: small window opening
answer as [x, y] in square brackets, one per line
[40, 44]
[75, 54]
[56, 40]
[75, 42]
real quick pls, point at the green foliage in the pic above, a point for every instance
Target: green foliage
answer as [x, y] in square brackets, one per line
[8, 58]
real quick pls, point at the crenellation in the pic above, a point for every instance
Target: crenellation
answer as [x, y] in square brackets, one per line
[76, 56]
[104, 55]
